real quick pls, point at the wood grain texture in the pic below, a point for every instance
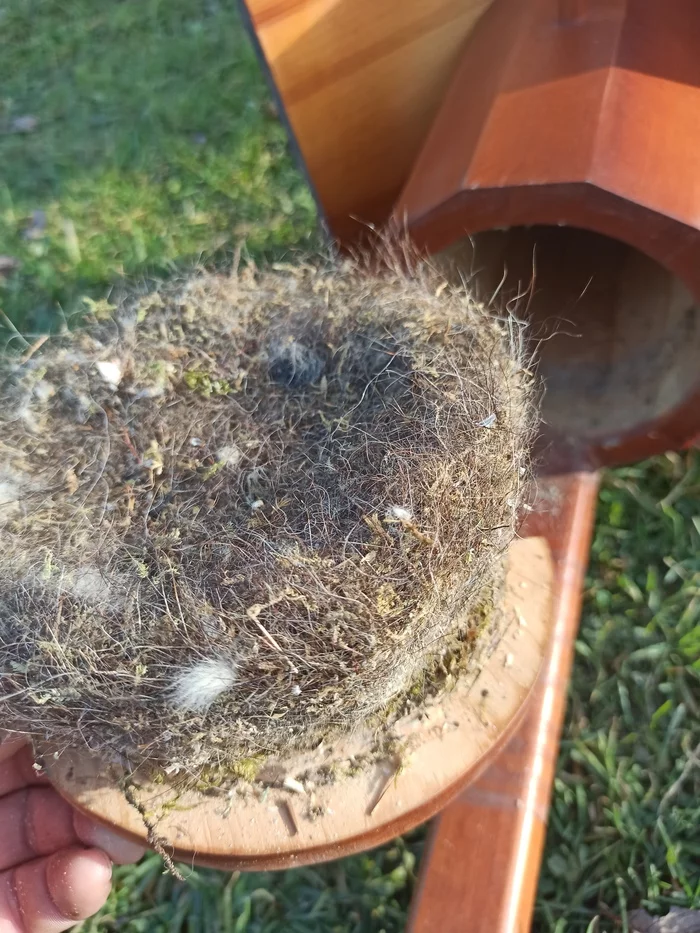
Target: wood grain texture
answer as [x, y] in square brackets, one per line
[479, 873]
[593, 123]
[442, 748]
[360, 82]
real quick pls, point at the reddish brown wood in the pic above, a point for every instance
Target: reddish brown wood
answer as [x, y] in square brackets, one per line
[479, 873]
[593, 125]
[577, 112]
[359, 82]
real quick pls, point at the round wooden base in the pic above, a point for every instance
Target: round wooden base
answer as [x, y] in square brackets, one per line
[342, 799]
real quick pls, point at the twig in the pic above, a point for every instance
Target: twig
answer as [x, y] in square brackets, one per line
[154, 839]
[253, 612]
[385, 787]
[34, 347]
[417, 533]
[289, 817]
[130, 444]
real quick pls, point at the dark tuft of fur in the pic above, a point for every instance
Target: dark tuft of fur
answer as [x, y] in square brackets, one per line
[293, 364]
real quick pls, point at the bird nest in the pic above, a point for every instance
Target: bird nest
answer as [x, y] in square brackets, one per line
[246, 512]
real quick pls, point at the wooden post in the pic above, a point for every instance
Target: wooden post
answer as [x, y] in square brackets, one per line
[479, 873]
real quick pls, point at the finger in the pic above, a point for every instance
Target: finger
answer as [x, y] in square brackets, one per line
[18, 770]
[120, 850]
[36, 821]
[50, 894]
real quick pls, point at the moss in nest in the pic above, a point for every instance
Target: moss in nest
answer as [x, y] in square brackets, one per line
[458, 657]
[246, 769]
[204, 384]
[247, 512]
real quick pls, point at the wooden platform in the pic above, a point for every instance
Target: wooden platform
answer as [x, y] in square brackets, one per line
[347, 797]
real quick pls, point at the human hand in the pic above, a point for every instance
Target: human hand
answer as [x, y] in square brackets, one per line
[55, 863]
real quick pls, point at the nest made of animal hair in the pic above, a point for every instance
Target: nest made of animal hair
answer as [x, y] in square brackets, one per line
[248, 511]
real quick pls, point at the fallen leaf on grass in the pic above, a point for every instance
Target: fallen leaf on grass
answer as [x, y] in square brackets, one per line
[24, 124]
[36, 227]
[72, 244]
[679, 920]
[271, 110]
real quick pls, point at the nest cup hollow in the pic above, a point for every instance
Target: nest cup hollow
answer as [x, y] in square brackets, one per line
[618, 334]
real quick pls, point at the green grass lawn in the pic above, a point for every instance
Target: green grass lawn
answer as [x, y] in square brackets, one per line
[137, 139]
[155, 146]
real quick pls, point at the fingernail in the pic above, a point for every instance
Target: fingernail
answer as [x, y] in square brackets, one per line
[78, 881]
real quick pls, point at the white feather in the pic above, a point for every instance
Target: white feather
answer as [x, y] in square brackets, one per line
[195, 688]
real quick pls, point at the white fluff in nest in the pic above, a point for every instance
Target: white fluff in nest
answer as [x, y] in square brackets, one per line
[110, 371]
[13, 488]
[230, 455]
[195, 688]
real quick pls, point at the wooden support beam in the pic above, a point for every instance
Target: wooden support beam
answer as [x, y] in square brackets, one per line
[480, 870]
